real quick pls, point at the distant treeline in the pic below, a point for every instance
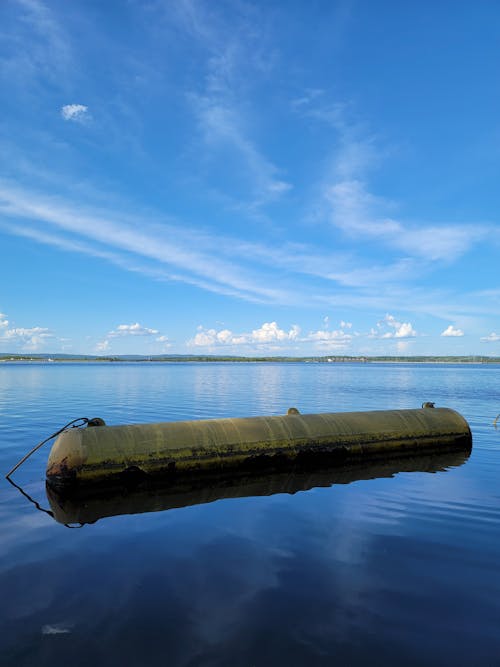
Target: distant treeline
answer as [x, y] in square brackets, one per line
[218, 358]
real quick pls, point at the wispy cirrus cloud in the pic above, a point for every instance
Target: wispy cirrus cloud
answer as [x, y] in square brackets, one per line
[234, 56]
[147, 241]
[264, 273]
[358, 213]
[215, 263]
[347, 202]
[49, 56]
[223, 126]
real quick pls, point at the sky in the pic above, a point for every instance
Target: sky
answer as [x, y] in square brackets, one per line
[250, 178]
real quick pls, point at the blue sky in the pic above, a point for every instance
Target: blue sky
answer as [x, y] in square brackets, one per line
[250, 177]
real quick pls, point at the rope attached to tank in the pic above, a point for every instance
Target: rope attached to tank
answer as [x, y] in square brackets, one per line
[75, 423]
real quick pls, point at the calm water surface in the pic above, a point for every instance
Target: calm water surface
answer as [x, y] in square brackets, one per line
[401, 570]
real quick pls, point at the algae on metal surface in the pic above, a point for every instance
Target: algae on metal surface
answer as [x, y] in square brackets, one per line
[94, 454]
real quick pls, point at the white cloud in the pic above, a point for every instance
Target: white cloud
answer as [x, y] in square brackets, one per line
[210, 337]
[102, 346]
[268, 333]
[491, 338]
[279, 187]
[78, 113]
[271, 336]
[329, 339]
[389, 327]
[163, 244]
[27, 338]
[303, 103]
[452, 331]
[223, 127]
[40, 50]
[357, 212]
[132, 330]
[233, 53]
[352, 208]
[165, 250]
[405, 330]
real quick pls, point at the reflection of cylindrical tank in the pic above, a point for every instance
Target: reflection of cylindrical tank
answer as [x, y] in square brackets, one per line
[91, 502]
[100, 452]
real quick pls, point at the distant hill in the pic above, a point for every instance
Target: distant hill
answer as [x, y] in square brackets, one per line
[57, 357]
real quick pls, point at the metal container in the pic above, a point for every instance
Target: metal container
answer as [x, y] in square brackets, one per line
[100, 453]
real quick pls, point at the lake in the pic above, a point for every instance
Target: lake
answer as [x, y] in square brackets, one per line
[378, 566]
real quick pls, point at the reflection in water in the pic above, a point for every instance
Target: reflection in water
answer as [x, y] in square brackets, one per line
[390, 571]
[88, 504]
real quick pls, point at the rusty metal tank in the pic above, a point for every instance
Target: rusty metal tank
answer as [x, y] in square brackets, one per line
[100, 453]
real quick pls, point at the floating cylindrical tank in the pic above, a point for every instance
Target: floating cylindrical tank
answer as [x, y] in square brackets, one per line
[99, 453]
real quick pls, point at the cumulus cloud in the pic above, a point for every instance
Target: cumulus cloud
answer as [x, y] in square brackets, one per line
[102, 346]
[405, 330]
[390, 327]
[26, 338]
[21, 332]
[268, 333]
[133, 330]
[491, 338]
[337, 339]
[452, 331]
[77, 113]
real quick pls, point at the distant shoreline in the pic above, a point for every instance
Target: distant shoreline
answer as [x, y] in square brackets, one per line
[16, 358]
